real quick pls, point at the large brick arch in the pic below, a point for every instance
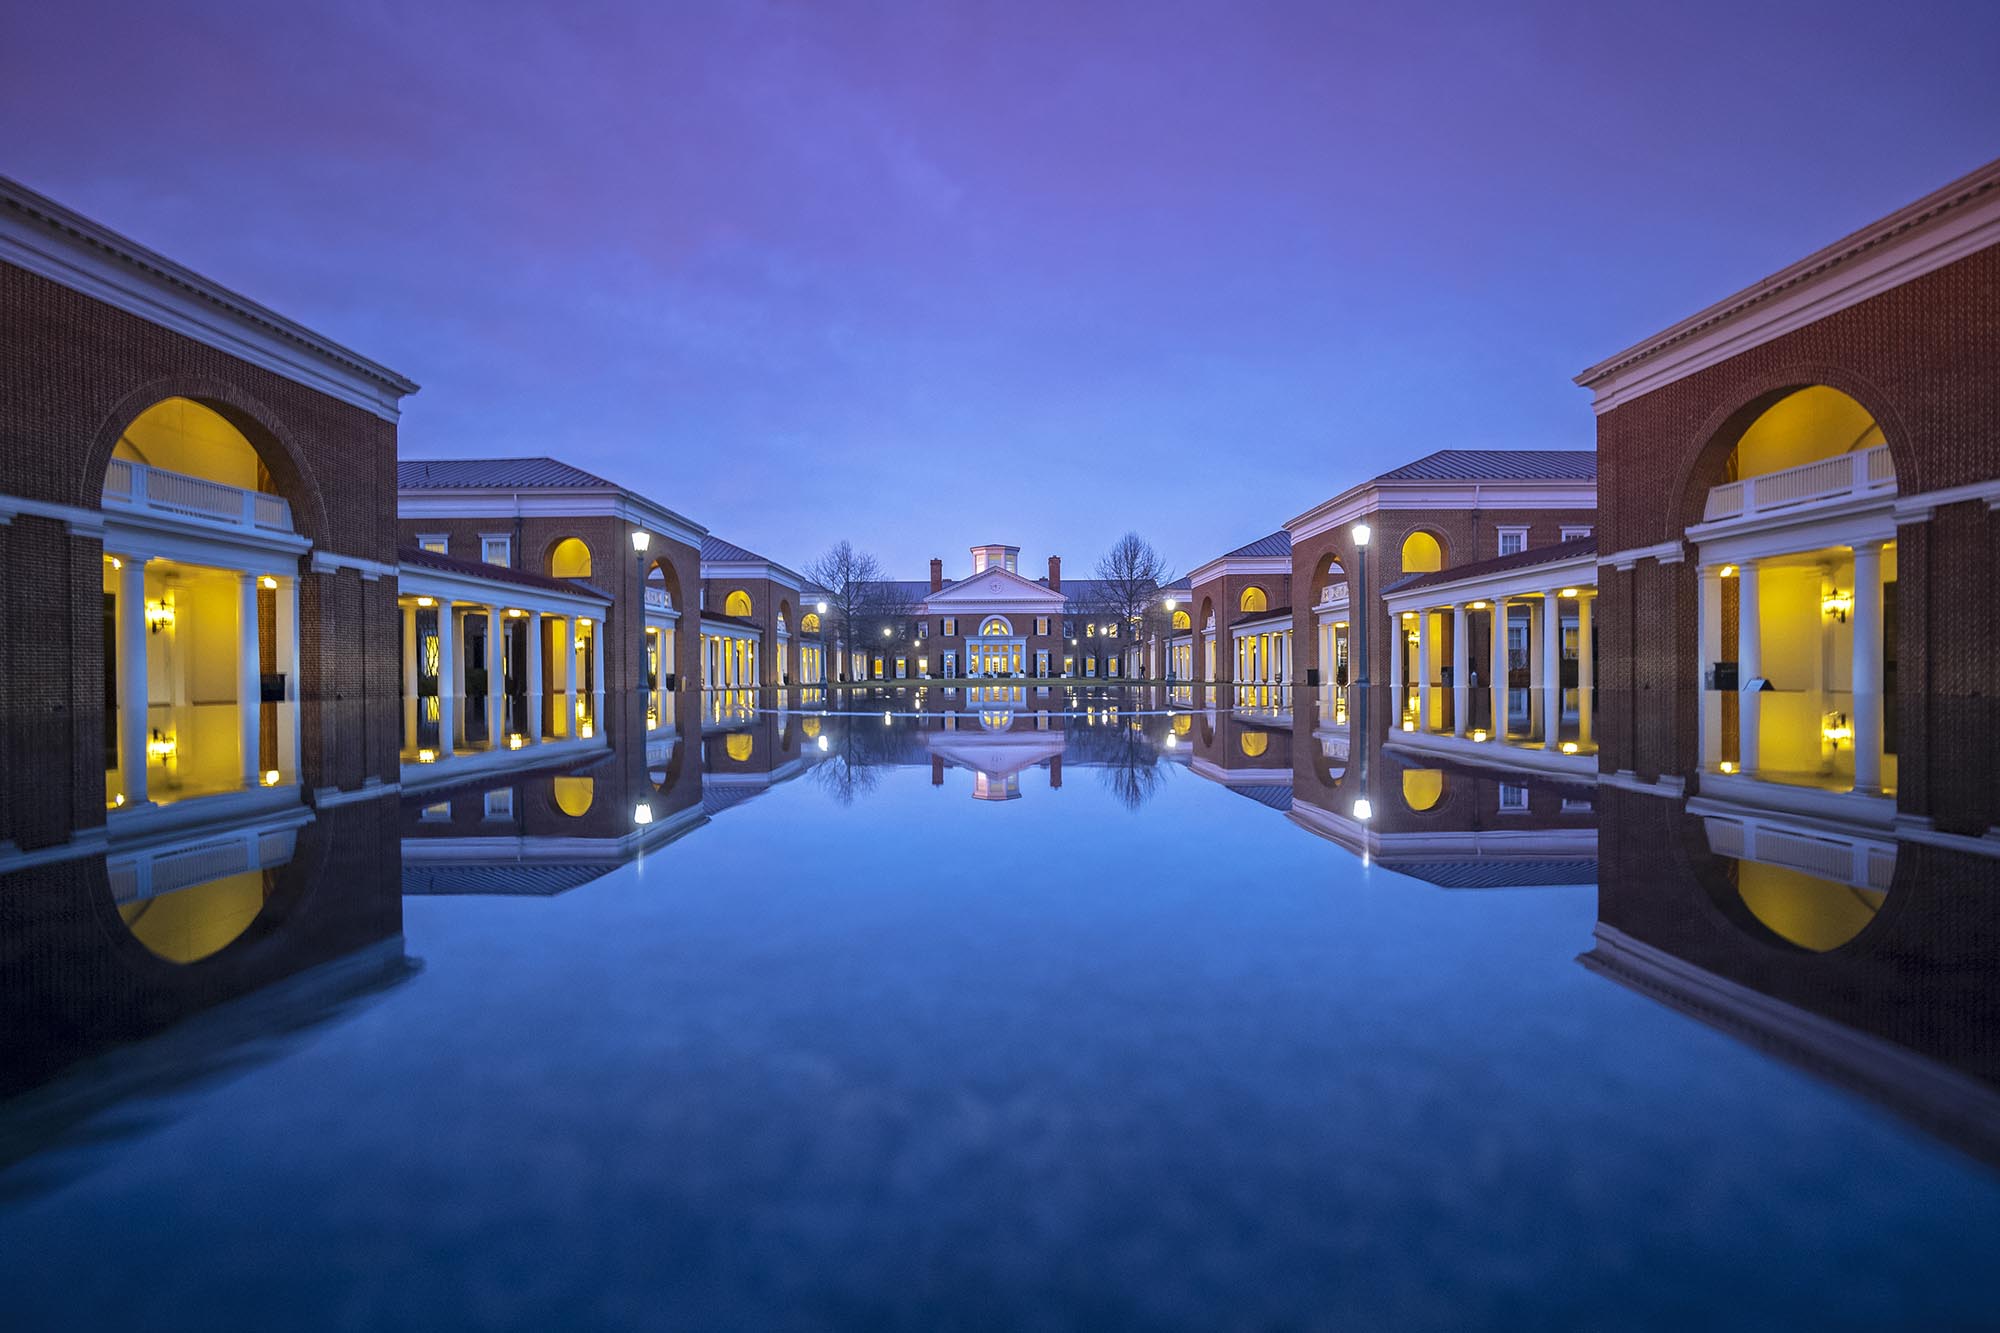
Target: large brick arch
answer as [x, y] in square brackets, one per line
[256, 421]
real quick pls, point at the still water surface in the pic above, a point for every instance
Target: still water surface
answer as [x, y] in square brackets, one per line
[920, 1029]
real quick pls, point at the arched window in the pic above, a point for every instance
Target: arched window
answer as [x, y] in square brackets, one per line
[1422, 787]
[1422, 554]
[1253, 599]
[995, 625]
[180, 435]
[1182, 620]
[1815, 914]
[1253, 743]
[1804, 427]
[570, 559]
[1183, 723]
[573, 795]
[736, 604]
[738, 745]
[809, 623]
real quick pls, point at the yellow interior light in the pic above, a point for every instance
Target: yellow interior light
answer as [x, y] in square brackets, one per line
[270, 777]
[427, 756]
[427, 601]
[268, 582]
[1568, 592]
[1569, 747]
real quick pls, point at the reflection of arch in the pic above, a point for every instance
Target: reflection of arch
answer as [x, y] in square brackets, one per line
[1252, 600]
[739, 745]
[811, 728]
[1182, 620]
[573, 795]
[1253, 743]
[1183, 723]
[995, 625]
[996, 719]
[809, 623]
[193, 923]
[570, 559]
[737, 603]
[1423, 553]
[1422, 787]
[1805, 910]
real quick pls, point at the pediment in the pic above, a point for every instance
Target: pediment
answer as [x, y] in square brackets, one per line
[995, 587]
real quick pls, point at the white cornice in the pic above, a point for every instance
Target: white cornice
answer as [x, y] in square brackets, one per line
[1578, 571]
[750, 569]
[1667, 553]
[1939, 229]
[994, 589]
[466, 502]
[41, 236]
[459, 586]
[1358, 502]
[1241, 564]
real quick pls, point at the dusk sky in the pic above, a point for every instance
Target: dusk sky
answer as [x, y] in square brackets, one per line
[932, 274]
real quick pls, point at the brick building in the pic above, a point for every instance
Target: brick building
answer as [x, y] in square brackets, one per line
[1798, 528]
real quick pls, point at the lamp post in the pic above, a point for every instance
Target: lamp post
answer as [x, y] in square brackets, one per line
[1360, 612]
[1173, 604]
[641, 539]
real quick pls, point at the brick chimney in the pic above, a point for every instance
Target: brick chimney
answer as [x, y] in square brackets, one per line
[1055, 573]
[937, 574]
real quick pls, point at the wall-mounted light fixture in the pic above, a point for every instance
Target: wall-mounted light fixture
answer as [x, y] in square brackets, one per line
[159, 615]
[1836, 730]
[427, 601]
[1837, 604]
[268, 583]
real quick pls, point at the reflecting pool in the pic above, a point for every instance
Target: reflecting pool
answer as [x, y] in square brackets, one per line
[1012, 1006]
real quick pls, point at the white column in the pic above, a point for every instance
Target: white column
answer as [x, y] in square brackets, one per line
[1396, 664]
[1552, 667]
[1496, 668]
[449, 684]
[1709, 616]
[598, 639]
[1867, 675]
[535, 636]
[287, 634]
[1749, 624]
[133, 681]
[569, 677]
[249, 681]
[1461, 669]
[1424, 669]
[409, 650]
[496, 676]
[1586, 666]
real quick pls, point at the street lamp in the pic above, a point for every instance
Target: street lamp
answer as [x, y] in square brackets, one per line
[1361, 533]
[821, 608]
[641, 539]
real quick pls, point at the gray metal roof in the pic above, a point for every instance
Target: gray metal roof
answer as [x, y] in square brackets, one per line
[714, 548]
[482, 473]
[1496, 874]
[1277, 543]
[1499, 465]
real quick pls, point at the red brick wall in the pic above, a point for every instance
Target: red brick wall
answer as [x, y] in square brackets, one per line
[1924, 359]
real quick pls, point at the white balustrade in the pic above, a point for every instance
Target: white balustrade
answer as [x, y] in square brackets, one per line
[138, 486]
[1868, 472]
[657, 600]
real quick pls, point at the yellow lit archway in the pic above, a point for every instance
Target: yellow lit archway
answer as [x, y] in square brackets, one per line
[1253, 599]
[737, 604]
[809, 623]
[739, 745]
[188, 925]
[1253, 743]
[1812, 424]
[1422, 554]
[573, 795]
[1814, 913]
[1422, 787]
[1182, 620]
[570, 559]
[180, 435]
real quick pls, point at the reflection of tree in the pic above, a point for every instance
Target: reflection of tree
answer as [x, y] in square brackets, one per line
[1126, 757]
[859, 747]
[843, 779]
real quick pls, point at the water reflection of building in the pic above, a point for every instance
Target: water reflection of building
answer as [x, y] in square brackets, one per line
[1864, 958]
[1799, 495]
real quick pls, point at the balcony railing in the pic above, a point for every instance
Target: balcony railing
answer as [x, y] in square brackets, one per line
[657, 600]
[136, 486]
[1863, 473]
[1333, 594]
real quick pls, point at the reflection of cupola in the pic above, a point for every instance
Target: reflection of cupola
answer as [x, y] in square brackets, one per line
[996, 557]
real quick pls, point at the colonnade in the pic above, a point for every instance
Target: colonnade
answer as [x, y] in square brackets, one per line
[580, 637]
[1418, 625]
[729, 661]
[1264, 657]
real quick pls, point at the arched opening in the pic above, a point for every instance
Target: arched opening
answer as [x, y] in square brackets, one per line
[1805, 910]
[1183, 621]
[570, 559]
[573, 795]
[1205, 648]
[1253, 600]
[1422, 553]
[737, 604]
[1806, 426]
[809, 623]
[189, 924]
[182, 436]
[739, 746]
[1253, 744]
[995, 625]
[1423, 788]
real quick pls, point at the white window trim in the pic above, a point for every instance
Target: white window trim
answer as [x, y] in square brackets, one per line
[443, 540]
[1511, 530]
[505, 537]
[1572, 531]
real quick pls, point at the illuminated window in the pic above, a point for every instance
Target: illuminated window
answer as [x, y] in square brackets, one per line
[809, 623]
[1253, 599]
[1422, 787]
[950, 627]
[573, 795]
[737, 604]
[1182, 620]
[434, 543]
[1041, 624]
[1422, 554]
[1253, 743]
[739, 745]
[995, 625]
[570, 559]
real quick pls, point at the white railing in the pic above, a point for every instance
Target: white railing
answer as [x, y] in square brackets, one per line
[1868, 472]
[1333, 594]
[137, 486]
[657, 600]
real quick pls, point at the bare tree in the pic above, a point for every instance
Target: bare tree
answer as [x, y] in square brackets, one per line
[1129, 578]
[860, 601]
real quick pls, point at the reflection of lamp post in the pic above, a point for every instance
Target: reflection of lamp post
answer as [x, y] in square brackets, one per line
[1359, 616]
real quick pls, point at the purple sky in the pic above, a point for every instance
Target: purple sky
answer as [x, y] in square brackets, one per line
[942, 273]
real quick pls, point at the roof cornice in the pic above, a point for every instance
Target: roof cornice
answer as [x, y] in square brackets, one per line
[1944, 226]
[1357, 502]
[1241, 564]
[40, 235]
[550, 502]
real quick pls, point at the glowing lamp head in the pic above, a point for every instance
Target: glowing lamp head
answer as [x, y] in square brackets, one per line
[821, 607]
[1568, 592]
[1569, 747]
[1362, 809]
[1362, 532]
[270, 777]
[427, 601]
[641, 539]
[267, 582]
[642, 813]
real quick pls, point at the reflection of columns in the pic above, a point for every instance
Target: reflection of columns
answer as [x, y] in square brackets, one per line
[1552, 666]
[1496, 652]
[535, 637]
[598, 638]
[1423, 669]
[1867, 675]
[1710, 652]
[448, 681]
[409, 650]
[249, 680]
[1461, 663]
[133, 687]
